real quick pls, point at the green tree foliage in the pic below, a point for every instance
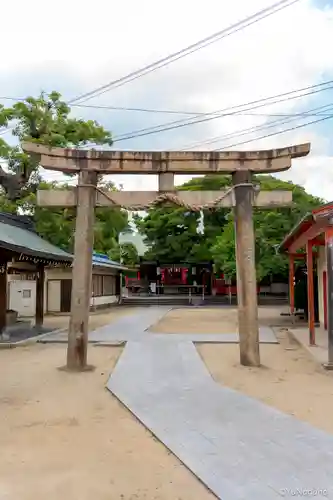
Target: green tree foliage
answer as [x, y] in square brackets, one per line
[171, 233]
[47, 120]
[271, 226]
[125, 253]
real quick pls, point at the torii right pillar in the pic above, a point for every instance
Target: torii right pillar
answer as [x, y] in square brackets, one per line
[248, 326]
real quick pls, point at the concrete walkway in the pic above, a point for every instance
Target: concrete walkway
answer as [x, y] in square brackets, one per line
[135, 327]
[236, 445]
[318, 351]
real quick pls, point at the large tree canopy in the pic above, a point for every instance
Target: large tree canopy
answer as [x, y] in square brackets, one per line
[47, 120]
[126, 253]
[271, 226]
[171, 233]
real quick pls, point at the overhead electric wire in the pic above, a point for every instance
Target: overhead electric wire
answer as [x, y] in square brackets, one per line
[259, 103]
[264, 126]
[275, 133]
[118, 108]
[268, 11]
[6, 130]
[162, 111]
[191, 113]
[240, 25]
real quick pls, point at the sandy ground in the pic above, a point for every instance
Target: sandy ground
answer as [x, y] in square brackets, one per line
[290, 379]
[64, 436]
[212, 320]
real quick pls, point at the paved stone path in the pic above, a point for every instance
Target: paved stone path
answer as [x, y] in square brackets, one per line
[135, 326]
[236, 445]
[239, 447]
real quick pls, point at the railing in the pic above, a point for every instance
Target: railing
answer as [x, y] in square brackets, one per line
[167, 291]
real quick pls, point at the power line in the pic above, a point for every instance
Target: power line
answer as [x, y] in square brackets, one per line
[276, 133]
[163, 111]
[8, 129]
[117, 108]
[226, 111]
[286, 96]
[188, 50]
[261, 103]
[257, 128]
[240, 25]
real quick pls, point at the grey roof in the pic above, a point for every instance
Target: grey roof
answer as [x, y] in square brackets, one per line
[21, 240]
[101, 260]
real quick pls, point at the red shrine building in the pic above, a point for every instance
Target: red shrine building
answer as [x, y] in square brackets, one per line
[308, 241]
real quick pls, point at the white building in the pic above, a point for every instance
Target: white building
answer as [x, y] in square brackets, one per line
[106, 289]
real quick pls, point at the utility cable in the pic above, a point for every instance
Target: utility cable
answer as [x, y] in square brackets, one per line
[264, 126]
[240, 25]
[276, 133]
[162, 111]
[223, 112]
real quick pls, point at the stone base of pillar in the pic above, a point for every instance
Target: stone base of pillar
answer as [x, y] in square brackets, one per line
[328, 366]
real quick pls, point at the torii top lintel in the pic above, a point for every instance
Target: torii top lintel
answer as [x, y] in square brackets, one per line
[177, 162]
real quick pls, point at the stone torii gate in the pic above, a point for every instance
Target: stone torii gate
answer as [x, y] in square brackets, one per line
[242, 197]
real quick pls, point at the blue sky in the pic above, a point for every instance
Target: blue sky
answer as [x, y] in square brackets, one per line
[284, 52]
[322, 4]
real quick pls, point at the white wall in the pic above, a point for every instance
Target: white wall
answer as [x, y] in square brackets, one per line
[321, 267]
[58, 274]
[52, 293]
[52, 296]
[107, 299]
[279, 288]
[22, 297]
[52, 287]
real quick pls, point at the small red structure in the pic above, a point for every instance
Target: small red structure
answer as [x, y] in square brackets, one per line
[314, 231]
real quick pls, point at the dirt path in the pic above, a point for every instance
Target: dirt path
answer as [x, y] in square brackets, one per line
[289, 380]
[212, 320]
[64, 436]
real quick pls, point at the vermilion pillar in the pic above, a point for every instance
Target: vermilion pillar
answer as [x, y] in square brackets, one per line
[329, 260]
[311, 309]
[325, 298]
[292, 283]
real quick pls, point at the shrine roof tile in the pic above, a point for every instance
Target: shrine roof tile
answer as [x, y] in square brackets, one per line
[20, 240]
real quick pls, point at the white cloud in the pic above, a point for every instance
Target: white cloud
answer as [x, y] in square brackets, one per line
[314, 174]
[81, 45]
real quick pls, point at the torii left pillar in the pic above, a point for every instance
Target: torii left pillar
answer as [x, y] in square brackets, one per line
[82, 272]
